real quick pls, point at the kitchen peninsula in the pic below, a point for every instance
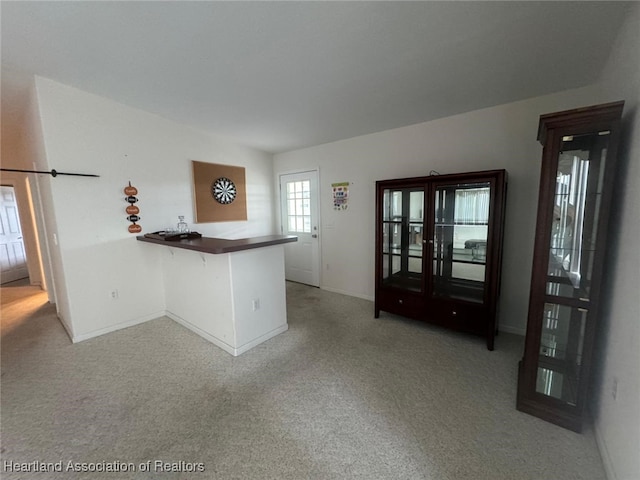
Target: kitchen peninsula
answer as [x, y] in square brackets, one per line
[230, 292]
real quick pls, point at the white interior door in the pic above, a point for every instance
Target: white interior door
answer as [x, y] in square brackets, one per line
[299, 202]
[13, 261]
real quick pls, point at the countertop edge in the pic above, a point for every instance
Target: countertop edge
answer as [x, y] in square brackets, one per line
[222, 245]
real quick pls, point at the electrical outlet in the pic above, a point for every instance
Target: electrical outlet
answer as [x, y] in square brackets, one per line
[255, 304]
[614, 387]
[114, 294]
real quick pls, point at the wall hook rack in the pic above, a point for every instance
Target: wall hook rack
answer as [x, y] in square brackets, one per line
[53, 172]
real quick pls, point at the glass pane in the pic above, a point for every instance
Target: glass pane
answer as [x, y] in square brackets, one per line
[557, 385]
[395, 240]
[579, 182]
[299, 207]
[391, 238]
[385, 237]
[460, 240]
[415, 248]
[472, 206]
[402, 237]
[467, 271]
[562, 284]
[392, 205]
[561, 288]
[416, 206]
[560, 356]
[415, 265]
[390, 267]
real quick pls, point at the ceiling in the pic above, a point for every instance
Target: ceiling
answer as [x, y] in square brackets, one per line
[278, 76]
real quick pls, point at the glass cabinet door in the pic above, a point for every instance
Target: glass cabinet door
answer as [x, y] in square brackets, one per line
[460, 240]
[561, 346]
[402, 238]
[576, 210]
[572, 247]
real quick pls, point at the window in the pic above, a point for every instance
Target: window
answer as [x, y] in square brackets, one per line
[299, 206]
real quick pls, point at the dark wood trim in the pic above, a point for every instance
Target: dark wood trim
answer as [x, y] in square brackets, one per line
[577, 117]
[494, 256]
[556, 414]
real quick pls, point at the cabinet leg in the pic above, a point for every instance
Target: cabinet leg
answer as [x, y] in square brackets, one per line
[490, 343]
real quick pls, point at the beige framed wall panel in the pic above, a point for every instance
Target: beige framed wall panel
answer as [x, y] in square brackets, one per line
[207, 209]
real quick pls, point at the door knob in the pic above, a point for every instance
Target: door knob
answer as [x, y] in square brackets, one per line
[314, 236]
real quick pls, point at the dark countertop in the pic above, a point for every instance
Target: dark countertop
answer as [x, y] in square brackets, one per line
[222, 245]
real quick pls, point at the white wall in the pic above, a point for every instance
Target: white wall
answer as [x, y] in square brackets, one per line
[33, 156]
[491, 138]
[95, 255]
[617, 421]
[15, 153]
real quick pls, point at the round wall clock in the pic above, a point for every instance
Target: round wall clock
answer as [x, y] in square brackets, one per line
[223, 190]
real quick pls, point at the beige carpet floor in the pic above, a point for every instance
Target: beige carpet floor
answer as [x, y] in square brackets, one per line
[340, 395]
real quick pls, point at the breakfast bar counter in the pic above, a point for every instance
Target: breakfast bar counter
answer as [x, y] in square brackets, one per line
[230, 292]
[222, 245]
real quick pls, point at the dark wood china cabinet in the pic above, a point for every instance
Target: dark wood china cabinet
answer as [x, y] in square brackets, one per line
[576, 187]
[439, 249]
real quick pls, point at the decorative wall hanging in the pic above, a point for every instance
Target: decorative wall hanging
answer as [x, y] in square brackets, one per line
[133, 211]
[340, 195]
[219, 192]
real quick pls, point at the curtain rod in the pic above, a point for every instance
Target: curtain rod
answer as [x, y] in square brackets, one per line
[53, 172]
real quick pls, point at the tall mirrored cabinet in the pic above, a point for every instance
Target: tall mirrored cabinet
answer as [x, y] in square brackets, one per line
[438, 249]
[576, 187]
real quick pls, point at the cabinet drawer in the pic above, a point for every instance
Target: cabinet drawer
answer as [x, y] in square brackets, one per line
[459, 316]
[401, 303]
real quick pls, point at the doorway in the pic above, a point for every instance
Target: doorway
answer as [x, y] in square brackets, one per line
[13, 259]
[299, 217]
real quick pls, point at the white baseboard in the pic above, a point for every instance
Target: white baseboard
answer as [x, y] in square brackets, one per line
[113, 328]
[223, 345]
[216, 341]
[262, 338]
[350, 294]
[66, 327]
[511, 329]
[198, 331]
[604, 454]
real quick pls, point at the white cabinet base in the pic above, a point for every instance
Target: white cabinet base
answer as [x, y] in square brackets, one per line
[235, 300]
